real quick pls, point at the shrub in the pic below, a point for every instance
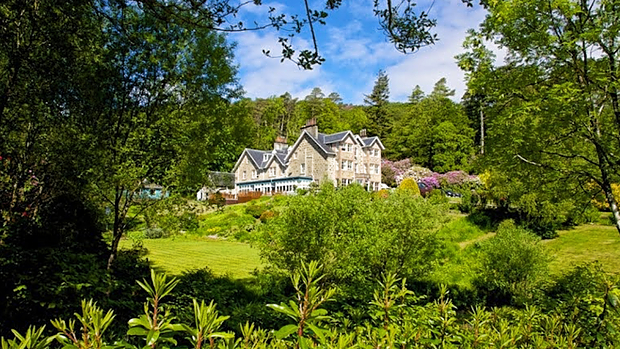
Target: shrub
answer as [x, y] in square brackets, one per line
[255, 210]
[353, 235]
[381, 194]
[266, 216]
[155, 233]
[511, 264]
[409, 186]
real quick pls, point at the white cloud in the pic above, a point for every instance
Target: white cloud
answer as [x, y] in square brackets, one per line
[263, 77]
[431, 63]
[355, 50]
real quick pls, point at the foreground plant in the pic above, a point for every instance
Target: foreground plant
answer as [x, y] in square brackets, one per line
[306, 313]
[92, 325]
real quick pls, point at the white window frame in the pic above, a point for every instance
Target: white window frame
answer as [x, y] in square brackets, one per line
[343, 146]
[377, 169]
[254, 174]
[350, 163]
[265, 157]
[295, 155]
[244, 175]
[302, 168]
[344, 164]
[349, 147]
[272, 172]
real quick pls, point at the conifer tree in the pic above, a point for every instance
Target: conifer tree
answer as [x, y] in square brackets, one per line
[377, 102]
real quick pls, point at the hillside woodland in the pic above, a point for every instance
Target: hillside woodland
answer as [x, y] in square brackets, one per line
[100, 98]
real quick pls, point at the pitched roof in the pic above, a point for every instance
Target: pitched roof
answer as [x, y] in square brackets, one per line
[319, 141]
[369, 141]
[335, 137]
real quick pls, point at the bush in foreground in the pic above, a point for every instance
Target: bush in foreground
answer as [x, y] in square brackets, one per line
[396, 318]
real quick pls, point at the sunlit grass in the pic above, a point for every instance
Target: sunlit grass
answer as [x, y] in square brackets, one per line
[176, 255]
[586, 243]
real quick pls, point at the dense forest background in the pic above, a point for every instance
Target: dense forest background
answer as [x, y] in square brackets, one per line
[99, 98]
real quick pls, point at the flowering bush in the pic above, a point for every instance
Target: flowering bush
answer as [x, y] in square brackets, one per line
[394, 172]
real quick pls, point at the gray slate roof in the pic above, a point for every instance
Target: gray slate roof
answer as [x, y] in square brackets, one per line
[335, 137]
[259, 155]
[368, 141]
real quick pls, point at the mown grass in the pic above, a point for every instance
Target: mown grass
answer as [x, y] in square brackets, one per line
[585, 243]
[176, 255]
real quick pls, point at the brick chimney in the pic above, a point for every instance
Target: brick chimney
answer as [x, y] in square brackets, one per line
[311, 127]
[363, 133]
[280, 143]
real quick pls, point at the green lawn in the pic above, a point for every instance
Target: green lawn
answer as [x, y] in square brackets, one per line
[175, 255]
[586, 243]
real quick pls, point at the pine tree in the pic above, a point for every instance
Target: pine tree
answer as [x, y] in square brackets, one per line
[377, 101]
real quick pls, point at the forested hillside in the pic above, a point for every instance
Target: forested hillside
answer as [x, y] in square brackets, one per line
[432, 130]
[499, 207]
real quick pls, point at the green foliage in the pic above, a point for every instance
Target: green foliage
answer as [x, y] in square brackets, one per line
[459, 230]
[93, 324]
[409, 186]
[529, 121]
[513, 263]
[353, 235]
[306, 312]
[255, 209]
[378, 117]
[434, 132]
[587, 318]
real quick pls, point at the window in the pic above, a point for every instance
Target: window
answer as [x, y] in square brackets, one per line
[302, 168]
[344, 165]
[254, 174]
[357, 168]
[272, 172]
[244, 175]
[377, 152]
[372, 168]
[343, 147]
[294, 155]
[377, 169]
[349, 146]
[265, 157]
[350, 164]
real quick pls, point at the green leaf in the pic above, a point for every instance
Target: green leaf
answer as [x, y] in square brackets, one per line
[137, 331]
[286, 331]
[152, 337]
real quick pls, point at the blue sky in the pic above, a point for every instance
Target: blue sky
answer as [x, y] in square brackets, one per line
[355, 49]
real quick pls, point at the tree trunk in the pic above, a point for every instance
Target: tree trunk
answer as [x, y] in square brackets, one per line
[481, 132]
[117, 231]
[613, 205]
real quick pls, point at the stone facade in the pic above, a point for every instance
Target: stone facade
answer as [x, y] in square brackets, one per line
[342, 158]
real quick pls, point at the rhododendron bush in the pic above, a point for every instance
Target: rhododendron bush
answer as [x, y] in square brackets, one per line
[395, 171]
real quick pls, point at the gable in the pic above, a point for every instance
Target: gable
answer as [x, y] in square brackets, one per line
[305, 137]
[245, 155]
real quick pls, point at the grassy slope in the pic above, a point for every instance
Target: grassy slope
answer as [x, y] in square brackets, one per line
[180, 254]
[586, 243]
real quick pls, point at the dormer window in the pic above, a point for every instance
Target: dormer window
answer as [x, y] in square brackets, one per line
[265, 157]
